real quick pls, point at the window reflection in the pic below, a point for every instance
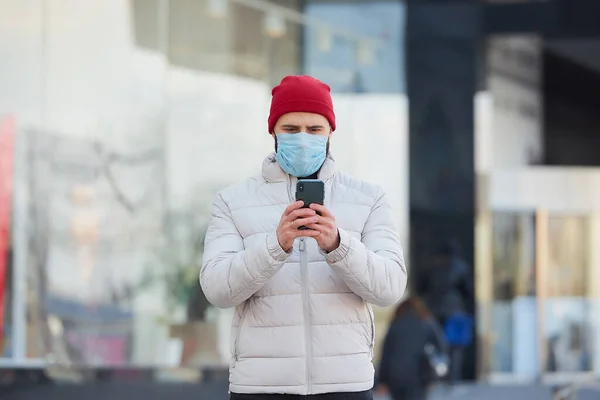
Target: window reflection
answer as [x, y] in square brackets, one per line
[363, 66]
[123, 168]
[513, 290]
[567, 320]
[567, 325]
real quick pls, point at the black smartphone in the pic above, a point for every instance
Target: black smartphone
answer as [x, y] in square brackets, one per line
[310, 191]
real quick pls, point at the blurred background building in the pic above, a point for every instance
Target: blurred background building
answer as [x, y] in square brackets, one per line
[120, 120]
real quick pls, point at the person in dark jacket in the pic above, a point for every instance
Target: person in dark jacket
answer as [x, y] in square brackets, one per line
[406, 370]
[447, 288]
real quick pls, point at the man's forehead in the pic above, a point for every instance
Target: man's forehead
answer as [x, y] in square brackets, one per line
[302, 118]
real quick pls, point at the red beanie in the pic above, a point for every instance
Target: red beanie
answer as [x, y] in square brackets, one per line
[301, 94]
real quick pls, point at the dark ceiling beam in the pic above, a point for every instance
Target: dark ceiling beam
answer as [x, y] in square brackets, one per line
[551, 18]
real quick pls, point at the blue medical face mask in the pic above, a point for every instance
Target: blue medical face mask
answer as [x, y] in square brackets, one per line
[301, 154]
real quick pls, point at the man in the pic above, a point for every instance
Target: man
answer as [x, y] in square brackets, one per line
[303, 323]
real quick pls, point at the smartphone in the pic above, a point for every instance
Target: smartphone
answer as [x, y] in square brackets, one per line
[310, 191]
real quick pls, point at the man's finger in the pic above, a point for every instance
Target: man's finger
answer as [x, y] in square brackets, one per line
[321, 209]
[294, 206]
[317, 227]
[304, 221]
[301, 213]
[307, 232]
[325, 221]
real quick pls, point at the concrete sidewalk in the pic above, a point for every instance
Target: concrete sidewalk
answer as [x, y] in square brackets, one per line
[487, 392]
[218, 391]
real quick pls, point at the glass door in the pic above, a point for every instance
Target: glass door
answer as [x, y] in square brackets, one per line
[507, 313]
[567, 326]
[538, 281]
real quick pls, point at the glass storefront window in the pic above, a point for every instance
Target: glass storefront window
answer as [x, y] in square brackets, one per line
[513, 289]
[568, 320]
[539, 324]
[369, 66]
[128, 115]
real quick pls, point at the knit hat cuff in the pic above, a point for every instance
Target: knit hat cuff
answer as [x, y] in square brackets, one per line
[301, 105]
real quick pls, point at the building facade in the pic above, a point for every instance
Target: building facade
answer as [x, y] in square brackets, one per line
[120, 120]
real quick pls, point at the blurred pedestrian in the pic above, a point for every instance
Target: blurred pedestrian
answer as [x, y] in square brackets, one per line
[414, 353]
[303, 322]
[447, 288]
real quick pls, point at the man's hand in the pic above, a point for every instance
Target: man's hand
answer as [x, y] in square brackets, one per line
[329, 238]
[294, 217]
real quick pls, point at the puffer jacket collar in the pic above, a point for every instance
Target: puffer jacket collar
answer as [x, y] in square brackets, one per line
[272, 172]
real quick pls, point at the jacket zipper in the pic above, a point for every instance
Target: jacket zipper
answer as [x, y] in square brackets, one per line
[238, 333]
[372, 327]
[305, 296]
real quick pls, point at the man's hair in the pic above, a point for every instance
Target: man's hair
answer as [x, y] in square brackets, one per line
[415, 304]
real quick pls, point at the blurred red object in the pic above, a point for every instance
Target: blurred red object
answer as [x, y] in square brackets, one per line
[7, 140]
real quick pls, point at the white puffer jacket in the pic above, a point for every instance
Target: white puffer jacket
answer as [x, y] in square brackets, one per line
[303, 323]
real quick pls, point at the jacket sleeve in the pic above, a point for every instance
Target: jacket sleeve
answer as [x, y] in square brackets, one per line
[230, 273]
[372, 267]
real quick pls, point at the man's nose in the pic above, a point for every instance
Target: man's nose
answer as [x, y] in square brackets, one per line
[303, 141]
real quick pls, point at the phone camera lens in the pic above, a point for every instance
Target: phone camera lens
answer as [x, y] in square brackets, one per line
[301, 187]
